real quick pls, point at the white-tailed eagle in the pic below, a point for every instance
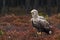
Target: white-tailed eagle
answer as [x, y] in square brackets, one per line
[40, 23]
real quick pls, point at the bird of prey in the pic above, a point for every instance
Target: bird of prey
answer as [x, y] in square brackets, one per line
[40, 23]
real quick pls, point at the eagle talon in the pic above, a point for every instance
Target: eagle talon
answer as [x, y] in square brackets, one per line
[39, 33]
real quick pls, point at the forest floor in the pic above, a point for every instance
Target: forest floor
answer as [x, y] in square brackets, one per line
[14, 27]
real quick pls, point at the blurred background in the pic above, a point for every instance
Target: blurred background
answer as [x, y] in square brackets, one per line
[15, 19]
[25, 6]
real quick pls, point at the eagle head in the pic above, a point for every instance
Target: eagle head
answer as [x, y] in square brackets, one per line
[34, 13]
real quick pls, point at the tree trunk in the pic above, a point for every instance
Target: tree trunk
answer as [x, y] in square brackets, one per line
[3, 9]
[36, 2]
[27, 5]
[58, 2]
[12, 3]
[42, 3]
[17, 3]
[49, 7]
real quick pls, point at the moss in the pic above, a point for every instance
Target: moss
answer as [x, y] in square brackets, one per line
[1, 32]
[44, 15]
